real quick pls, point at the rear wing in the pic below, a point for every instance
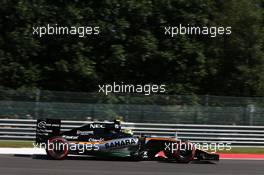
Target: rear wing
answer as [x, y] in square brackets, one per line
[47, 128]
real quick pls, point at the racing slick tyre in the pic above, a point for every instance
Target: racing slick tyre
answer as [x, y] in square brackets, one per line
[57, 148]
[185, 153]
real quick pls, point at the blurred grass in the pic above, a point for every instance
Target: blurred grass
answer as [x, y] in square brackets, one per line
[16, 144]
[248, 150]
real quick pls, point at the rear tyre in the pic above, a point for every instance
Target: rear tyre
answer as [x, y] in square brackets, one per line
[57, 148]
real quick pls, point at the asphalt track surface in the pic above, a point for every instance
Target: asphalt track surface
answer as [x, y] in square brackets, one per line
[26, 165]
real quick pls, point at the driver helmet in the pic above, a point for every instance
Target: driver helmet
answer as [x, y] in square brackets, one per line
[128, 131]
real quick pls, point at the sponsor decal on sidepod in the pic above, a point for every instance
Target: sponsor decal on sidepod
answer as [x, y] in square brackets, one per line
[121, 143]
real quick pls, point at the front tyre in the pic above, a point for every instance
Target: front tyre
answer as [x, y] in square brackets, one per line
[57, 148]
[186, 152]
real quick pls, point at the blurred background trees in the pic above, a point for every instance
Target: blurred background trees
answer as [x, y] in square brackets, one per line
[132, 47]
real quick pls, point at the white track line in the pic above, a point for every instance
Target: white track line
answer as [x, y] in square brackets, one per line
[27, 151]
[41, 151]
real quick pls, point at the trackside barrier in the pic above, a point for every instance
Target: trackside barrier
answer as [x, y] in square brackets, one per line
[240, 136]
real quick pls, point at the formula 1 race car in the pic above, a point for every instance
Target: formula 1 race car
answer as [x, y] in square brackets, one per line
[109, 140]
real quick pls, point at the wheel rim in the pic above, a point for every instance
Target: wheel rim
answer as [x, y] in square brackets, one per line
[57, 148]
